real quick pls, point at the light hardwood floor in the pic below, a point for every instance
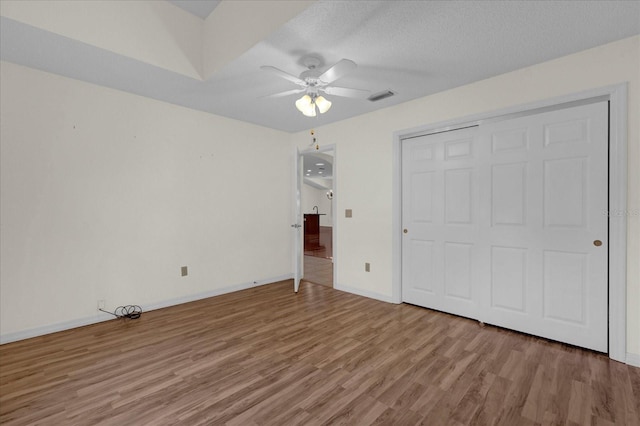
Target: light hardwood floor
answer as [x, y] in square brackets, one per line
[318, 264]
[318, 270]
[269, 356]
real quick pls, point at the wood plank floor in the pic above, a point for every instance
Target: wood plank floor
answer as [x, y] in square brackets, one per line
[325, 248]
[318, 270]
[268, 356]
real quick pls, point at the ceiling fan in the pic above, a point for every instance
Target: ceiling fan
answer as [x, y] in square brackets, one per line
[313, 83]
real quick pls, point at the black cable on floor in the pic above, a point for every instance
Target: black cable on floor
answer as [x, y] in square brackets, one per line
[127, 311]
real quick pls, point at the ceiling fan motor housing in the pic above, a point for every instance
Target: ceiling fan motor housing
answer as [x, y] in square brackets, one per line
[311, 62]
[312, 73]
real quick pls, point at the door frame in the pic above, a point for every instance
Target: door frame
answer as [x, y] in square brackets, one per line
[298, 263]
[298, 248]
[617, 273]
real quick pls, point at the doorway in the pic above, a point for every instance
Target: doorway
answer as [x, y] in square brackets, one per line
[317, 211]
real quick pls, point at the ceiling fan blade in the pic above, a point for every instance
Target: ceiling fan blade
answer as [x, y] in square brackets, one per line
[346, 92]
[283, 74]
[338, 70]
[282, 94]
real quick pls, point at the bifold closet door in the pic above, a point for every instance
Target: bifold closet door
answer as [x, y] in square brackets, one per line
[506, 223]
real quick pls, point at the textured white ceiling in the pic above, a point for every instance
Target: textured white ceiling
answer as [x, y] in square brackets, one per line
[414, 48]
[200, 8]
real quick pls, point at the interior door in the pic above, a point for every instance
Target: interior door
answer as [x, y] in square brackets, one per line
[506, 223]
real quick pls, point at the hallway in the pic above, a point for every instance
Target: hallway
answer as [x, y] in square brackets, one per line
[318, 263]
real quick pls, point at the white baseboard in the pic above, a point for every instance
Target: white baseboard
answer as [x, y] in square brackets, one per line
[212, 293]
[633, 359]
[365, 293]
[53, 328]
[100, 317]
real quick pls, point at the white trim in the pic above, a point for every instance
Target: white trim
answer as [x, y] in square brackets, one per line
[53, 328]
[215, 292]
[547, 104]
[633, 359]
[618, 223]
[617, 96]
[298, 253]
[101, 317]
[396, 220]
[365, 293]
[334, 217]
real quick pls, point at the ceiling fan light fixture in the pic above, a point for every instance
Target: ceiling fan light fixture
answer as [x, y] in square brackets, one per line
[311, 112]
[312, 81]
[323, 104]
[306, 105]
[303, 103]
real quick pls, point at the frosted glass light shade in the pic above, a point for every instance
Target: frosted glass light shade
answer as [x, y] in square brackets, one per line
[323, 104]
[303, 103]
[306, 106]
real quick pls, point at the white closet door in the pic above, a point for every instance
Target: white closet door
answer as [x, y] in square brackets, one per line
[440, 217]
[546, 183]
[510, 218]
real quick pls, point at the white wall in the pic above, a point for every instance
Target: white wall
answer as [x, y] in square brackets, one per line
[105, 195]
[310, 197]
[113, 207]
[365, 145]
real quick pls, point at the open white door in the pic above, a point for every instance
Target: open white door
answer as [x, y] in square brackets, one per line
[297, 225]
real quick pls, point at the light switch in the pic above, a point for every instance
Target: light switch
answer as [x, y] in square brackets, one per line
[183, 271]
[348, 213]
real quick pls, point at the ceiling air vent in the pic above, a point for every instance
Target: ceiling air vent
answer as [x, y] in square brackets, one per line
[380, 95]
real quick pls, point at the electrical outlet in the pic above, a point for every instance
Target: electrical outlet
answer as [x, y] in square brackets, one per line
[101, 304]
[183, 271]
[367, 267]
